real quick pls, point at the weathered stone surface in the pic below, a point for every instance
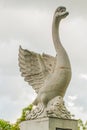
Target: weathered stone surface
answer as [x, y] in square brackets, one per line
[55, 108]
[49, 124]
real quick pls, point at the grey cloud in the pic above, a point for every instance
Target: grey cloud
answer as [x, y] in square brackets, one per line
[14, 96]
[76, 7]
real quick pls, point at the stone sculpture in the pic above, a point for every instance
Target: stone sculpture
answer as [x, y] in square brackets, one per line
[49, 76]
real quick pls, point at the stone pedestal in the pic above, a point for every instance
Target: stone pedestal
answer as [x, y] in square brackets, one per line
[49, 124]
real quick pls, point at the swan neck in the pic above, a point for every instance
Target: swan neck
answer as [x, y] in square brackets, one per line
[55, 34]
[62, 56]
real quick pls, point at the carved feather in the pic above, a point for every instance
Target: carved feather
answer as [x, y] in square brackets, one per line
[35, 68]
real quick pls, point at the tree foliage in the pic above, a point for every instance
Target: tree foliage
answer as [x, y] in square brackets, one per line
[5, 125]
[24, 112]
[81, 125]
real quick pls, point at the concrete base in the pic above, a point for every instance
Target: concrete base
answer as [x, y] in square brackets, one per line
[49, 124]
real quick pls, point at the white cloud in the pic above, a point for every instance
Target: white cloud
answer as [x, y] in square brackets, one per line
[78, 111]
[72, 97]
[83, 76]
[75, 109]
[15, 94]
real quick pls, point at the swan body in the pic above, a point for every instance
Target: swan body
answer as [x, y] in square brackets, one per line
[49, 76]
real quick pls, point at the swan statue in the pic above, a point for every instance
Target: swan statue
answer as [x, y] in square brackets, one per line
[49, 76]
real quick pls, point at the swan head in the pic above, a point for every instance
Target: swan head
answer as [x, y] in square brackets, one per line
[61, 12]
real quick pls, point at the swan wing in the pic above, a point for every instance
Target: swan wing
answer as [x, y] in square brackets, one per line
[35, 68]
[49, 62]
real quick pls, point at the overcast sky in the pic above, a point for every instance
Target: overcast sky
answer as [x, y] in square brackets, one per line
[28, 23]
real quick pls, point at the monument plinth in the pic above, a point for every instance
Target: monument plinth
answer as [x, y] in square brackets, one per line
[49, 124]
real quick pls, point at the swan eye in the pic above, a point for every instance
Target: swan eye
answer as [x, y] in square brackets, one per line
[62, 10]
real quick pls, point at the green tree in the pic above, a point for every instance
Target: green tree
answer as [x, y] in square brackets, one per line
[24, 113]
[81, 125]
[5, 125]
